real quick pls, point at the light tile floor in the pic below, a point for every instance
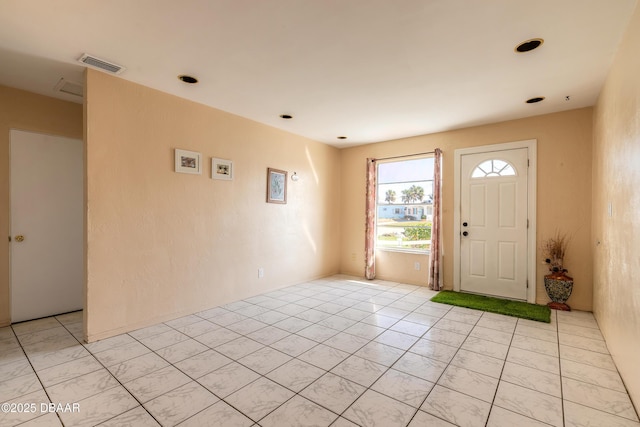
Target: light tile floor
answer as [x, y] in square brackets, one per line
[338, 351]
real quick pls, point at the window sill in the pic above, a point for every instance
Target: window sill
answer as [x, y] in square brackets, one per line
[404, 251]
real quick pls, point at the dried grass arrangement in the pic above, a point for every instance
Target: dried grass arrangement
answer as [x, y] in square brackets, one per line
[554, 250]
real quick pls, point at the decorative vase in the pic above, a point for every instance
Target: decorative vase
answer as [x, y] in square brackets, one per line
[558, 286]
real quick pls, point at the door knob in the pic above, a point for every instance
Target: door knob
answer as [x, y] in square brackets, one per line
[464, 224]
[465, 233]
[19, 238]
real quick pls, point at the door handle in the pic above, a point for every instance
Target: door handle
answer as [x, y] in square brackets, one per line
[465, 233]
[464, 224]
[19, 238]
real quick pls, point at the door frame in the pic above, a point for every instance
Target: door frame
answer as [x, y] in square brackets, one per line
[531, 145]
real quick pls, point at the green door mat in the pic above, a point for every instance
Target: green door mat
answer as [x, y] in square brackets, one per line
[540, 313]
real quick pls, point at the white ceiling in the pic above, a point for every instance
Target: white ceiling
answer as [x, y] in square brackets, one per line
[371, 70]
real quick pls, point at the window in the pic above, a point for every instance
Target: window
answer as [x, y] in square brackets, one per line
[407, 185]
[492, 168]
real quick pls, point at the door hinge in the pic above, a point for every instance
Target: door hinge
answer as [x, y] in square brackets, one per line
[527, 222]
[527, 283]
[528, 163]
[9, 238]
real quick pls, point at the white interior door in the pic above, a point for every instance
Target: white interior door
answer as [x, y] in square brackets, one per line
[46, 225]
[493, 223]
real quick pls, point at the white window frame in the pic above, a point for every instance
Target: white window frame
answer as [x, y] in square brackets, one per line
[398, 210]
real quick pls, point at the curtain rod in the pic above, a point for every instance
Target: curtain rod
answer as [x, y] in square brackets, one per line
[407, 155]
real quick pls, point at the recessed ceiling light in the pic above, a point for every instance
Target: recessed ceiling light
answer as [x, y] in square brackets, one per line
[528, 45]
[188, 79]
[534, 100]
[342, 137]
[286, 116]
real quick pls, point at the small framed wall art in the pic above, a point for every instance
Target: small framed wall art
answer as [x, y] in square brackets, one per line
[276, 186]
[188, 161]
[221, 169]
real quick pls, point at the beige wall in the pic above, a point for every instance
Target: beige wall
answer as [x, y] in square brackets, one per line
[163, 244]
[616, 180]
[564, 194]
[138, 207]
[34, 113]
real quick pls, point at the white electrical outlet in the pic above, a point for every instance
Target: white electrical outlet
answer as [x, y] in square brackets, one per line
[416, 266]
[260, 273]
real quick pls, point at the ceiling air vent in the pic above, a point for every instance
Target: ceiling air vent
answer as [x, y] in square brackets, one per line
[101, 64]
[70, 88]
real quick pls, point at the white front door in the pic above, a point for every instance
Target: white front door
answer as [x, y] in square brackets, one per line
[46, 225]
[493, 223]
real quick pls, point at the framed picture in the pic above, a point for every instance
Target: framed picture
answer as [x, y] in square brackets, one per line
[276, 186]
[221, 169]
[188, 162]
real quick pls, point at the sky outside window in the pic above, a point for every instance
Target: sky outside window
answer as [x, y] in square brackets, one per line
[398, 176]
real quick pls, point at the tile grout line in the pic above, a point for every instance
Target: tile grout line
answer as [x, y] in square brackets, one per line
[115, 378]
[237, 361]
[388, 368]
[261, 375]
[559, 357]
[449, 310]
[435, 383]
[405, 352]
[296, 358]
[327, 290]
[588, 383]
[35, 372]
[317, 344]
[508, 382]
[501, 372]
[330, 314]
[562, 399]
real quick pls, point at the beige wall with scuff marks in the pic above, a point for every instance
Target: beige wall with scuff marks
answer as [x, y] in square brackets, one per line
[162, 244]
[616, 236]
[34, 113]
[563, 195]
